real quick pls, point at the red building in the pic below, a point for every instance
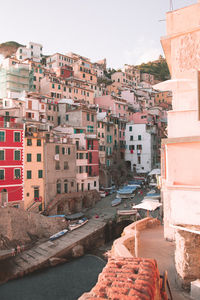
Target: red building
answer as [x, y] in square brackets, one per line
[11, 162]
[93, 157]
[65, 72]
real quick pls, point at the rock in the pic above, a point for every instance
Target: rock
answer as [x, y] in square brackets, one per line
[78, 251]
[54, 261]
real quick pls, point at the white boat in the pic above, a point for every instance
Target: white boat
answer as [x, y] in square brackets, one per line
[116, 202]
[58, 234]
[127, 212]
[78, 224]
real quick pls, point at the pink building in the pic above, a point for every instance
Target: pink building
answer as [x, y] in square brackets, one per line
[180, 151]
[114, 105]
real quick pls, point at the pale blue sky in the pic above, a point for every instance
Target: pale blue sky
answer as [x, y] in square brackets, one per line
[123, 31]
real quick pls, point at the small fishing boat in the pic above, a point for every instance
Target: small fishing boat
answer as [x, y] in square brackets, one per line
[116, 202]
[58, 234]
[153, 195]
[127, 192]
[124, 212]
[78, 224]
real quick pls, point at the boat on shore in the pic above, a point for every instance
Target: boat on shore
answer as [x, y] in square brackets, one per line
[116, 201]
[58, 234]
[77, 224]
[153, 195]
[127, 192]
[125, 212]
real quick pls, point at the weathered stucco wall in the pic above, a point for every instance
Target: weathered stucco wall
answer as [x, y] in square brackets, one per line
[187, 255]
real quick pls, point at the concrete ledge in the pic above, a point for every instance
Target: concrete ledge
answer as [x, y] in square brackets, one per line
[125, 245]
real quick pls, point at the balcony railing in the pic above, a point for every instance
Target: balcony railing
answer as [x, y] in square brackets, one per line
[11, 125]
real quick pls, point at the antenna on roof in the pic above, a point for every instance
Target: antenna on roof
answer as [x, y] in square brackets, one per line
[171, 5]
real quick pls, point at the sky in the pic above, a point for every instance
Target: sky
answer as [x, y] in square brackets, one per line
[122, 31]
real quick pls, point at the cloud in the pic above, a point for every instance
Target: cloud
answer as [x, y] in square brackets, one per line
[144, 51]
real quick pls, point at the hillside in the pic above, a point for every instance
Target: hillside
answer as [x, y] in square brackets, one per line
[9, 48]
[158, 68]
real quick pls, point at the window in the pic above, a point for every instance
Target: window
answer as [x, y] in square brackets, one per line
[40, 173]
[65, 187]
[80, 169]
[88, 117]
[2, 174]
[38, 142]
[130, 128]
[131, 137]
[69, 151]
[57, 165]
[29, 142]
[29, 174]
[95, 184]
[92, 118]
[17, 155]
[66, 166]
[139, 137]
[67, 117]
[2, 136]
[28, 157]
[88, 186]
[58, 187]
[17, 173]
[90, 77]
[139, 147]
[139, 159]
[63, 150]
[81, 156]
[2, 156]
[39, 157]
[59, 86]
[57, 150]
[83, 75]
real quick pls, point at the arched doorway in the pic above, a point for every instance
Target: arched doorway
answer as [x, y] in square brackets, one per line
[4, 197]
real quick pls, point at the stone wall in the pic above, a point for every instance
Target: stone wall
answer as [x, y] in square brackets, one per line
[125, 245]
[187, 256]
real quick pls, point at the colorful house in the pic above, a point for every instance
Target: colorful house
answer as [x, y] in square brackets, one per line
[11, 162]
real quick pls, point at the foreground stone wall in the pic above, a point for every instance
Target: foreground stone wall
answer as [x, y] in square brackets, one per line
[125, 276]
[187, 256]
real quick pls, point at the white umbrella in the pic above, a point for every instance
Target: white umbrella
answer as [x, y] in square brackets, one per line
[154, 172]
[148, 205]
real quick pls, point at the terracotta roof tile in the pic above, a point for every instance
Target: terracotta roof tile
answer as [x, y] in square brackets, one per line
[126, 279]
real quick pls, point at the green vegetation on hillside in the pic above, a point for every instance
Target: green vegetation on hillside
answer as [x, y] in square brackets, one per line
[9, 48]
[158, 68]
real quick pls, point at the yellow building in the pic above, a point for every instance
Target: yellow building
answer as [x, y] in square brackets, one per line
[34, 172]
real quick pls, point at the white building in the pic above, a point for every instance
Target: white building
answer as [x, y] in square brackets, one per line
[32, 51]
[140, 145]
[58, 60]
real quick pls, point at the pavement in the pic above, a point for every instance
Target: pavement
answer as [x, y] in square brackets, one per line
[153, 245]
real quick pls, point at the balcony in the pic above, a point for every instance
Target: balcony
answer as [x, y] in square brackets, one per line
[11, 125]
